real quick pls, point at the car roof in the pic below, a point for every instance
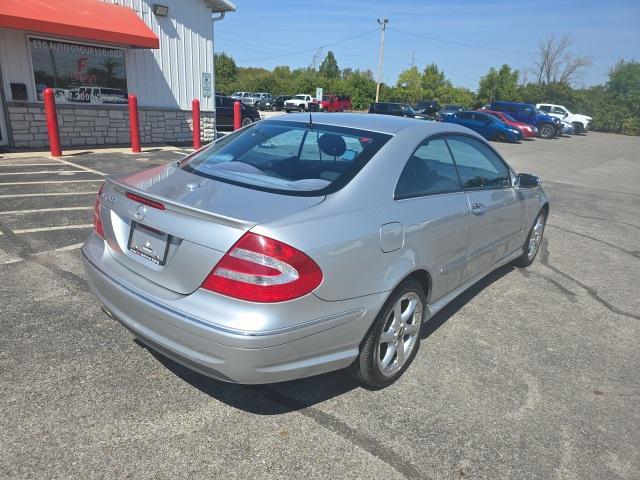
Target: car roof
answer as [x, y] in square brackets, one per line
[388, 124]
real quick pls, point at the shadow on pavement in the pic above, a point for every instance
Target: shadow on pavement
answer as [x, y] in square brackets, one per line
[465, 297]
[279, 398]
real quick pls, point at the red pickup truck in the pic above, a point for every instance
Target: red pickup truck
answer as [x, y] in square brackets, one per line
[335, 103]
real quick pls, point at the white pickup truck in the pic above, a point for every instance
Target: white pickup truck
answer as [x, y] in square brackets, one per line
[301, 103]
[580, 122]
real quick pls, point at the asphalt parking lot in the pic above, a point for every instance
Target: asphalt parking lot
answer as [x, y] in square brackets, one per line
[531, 374]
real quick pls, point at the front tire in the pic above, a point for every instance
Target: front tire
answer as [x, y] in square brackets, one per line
[246, 121]
[274, 108]
[301, 108]
[577, 128]
[393, 339]
[501, 137]
[547, 131]
[533, 241]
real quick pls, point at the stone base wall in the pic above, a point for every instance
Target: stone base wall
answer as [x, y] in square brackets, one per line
[89, 125]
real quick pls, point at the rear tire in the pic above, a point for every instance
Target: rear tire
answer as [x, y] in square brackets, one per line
[246, 121]
[532, 243]
[396, 329]
[547, 131]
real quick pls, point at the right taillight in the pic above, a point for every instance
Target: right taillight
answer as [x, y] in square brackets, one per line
[261, 269]
[97, 221]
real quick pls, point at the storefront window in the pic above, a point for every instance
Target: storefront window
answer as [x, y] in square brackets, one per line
[79, 73]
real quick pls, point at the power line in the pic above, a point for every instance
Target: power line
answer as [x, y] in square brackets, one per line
[314, 48]
[461, 44]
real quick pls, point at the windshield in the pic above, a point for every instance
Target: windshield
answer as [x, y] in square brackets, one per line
[326, 98]
[292, 158]
[300, 97]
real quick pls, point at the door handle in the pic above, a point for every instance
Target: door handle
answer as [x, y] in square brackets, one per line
[477, 209]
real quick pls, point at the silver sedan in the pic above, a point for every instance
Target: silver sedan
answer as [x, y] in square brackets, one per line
[311, 243]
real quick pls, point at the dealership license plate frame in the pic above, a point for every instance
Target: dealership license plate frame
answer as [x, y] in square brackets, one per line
[151, 240]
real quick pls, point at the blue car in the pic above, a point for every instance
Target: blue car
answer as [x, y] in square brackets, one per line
[548, 126]
[486, 125]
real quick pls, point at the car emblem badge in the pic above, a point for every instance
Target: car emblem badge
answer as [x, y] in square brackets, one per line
[192, 186]
[140, 211]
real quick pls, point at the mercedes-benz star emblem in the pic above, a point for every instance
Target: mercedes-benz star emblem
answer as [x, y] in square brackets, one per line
[140, 211]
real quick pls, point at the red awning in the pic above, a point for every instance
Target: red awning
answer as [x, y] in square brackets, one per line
[82, 19]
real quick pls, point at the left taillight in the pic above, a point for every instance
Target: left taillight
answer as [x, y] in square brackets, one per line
[97, 221]
[261, 269]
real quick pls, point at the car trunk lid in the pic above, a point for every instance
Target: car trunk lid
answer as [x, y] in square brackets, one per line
[172, 226]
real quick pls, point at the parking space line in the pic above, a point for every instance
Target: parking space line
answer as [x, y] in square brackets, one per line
[44, 172]
[39, 210]
[87, 169]
[62, 194]
[52, 181]
[67, 248]
[51, 229]
[50, 164]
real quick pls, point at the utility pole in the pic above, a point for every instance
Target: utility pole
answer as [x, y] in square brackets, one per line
[413, 59]
[383, 26]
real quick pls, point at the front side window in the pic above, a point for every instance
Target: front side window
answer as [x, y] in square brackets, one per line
[559, 110]
[479, 167]
[429, 171]
[292, 158]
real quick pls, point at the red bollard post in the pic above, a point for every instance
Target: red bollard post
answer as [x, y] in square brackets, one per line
[134, 126]
[237, 115]
[195, 115]
[52, 121]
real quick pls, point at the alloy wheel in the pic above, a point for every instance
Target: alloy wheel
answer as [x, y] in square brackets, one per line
[399, 334]
[536, 237]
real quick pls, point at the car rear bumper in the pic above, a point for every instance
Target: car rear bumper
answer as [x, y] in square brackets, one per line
[328, 339]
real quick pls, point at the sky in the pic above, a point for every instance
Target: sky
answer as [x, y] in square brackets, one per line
[466, 37]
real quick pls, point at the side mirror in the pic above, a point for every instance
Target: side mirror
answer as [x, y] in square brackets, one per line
[526, 180]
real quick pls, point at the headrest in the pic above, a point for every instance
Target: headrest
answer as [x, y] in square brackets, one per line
[332, 145]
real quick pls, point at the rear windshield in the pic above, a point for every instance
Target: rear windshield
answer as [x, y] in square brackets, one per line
[292, 158]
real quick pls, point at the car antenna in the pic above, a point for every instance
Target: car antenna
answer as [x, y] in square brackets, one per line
[310, 122]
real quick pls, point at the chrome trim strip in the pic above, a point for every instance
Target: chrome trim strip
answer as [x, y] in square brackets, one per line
[349, 315]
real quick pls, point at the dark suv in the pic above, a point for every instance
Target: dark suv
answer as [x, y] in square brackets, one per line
[397, 109]
[224, 113]
[275, 104]
[548, 126]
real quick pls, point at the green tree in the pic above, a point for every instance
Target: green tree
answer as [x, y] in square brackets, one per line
[434, 82]
[329, 66]
[498, 85]
[409, 86]
[226, 69]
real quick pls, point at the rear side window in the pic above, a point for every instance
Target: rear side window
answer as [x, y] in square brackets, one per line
[545, 108]
[429, 171]
[292, 158]
[479, 166]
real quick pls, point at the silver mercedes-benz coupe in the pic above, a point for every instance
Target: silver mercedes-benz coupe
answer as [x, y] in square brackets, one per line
[308, 243]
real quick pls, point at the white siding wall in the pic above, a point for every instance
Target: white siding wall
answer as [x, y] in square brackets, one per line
[169, 77]
[15, 61]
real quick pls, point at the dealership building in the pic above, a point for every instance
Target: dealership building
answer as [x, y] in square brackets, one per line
[93, 54]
